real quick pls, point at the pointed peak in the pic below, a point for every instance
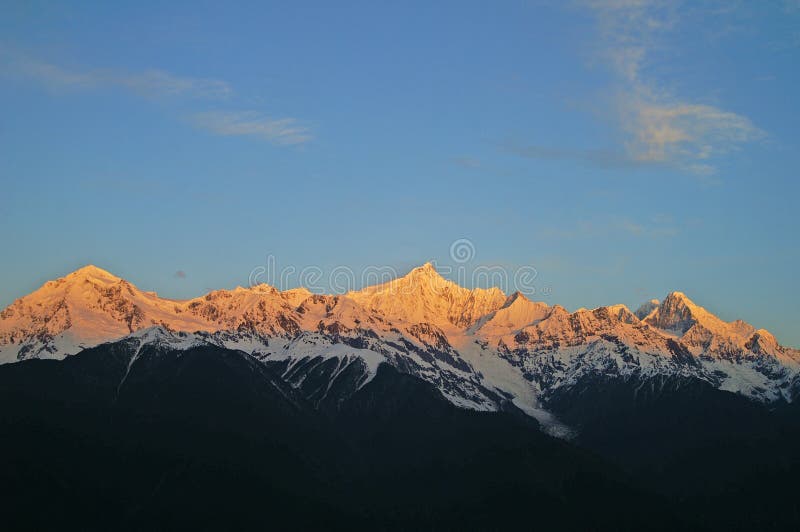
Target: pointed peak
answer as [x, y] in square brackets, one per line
[621, 312]
[677, 313]
[513, 298]
[763, 333]
[423, 277]
[679, 300]
[678, 296]
[762, 342]
[676, 303]
[428, 268]
[426, 271]
[92, 271]
[516, 295]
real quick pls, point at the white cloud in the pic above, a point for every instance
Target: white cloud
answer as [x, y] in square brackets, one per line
[660, 127]
[251, 123]
[148, 82]
[684, 133]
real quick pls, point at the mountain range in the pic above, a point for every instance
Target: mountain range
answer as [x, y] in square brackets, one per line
[481, 348]
[412, 403]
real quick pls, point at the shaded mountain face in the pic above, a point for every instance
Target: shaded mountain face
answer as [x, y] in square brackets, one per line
[170, 431]
[481, 349]
[646, 308]
[162, 432]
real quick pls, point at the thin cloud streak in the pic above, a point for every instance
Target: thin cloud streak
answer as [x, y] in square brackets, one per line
[252, 123]
[151, 82]
[612, 228]
[596, 158]
[467, 162]
[159, 83]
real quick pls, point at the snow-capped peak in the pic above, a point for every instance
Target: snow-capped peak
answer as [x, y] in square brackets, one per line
[464, 340]
[622, 313]
[763, 342]
[425, 273]
[700, 330]
[90, 271]
[424, 296]
[677, 313]
[427, 267]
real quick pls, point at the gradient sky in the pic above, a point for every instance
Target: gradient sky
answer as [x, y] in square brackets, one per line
[624, 148]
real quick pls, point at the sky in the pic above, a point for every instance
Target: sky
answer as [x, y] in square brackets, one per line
[621, 148]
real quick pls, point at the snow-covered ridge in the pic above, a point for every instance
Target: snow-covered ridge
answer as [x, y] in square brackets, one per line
[479, 346]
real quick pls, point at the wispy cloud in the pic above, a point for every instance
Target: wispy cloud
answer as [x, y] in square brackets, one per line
[159, 83]
[682, 133]
[600, 158]
[658, 227]
[149, 82]
[467, 162]
[252, 123]
[660, 127]
[791, 6]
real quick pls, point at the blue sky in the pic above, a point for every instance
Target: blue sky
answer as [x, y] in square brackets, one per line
[623, 148]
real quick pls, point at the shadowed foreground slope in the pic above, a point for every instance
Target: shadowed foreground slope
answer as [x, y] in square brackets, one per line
[162, 438]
